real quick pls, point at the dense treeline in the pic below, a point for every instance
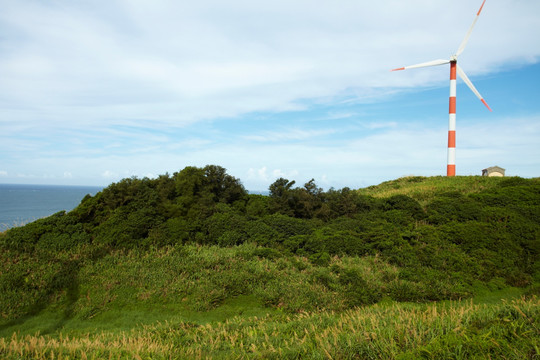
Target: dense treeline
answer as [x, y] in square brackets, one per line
[445, 248]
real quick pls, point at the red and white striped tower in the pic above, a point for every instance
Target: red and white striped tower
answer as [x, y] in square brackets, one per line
[451, 163]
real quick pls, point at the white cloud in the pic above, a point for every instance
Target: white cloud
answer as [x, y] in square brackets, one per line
[278, 173]
[3, 173]
[107, 174]
[369, 159]
[121, 60]
[288, 134]
[258, 174]
[324, 179]
[264, 177]
[381, 125]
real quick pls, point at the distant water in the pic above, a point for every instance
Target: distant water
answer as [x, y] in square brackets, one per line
[21, 204]
[259, 192]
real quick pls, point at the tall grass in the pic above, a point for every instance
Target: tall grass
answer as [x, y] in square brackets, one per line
[196, 278]
[457, 330]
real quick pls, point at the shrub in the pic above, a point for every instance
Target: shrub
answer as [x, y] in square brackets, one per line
[357, 290]
[404, 203]
[320, 258]
[287, 226]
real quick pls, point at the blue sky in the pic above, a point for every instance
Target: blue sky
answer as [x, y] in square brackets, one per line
[95, 91]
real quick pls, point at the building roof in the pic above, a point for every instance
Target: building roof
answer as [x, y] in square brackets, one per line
[494, 168]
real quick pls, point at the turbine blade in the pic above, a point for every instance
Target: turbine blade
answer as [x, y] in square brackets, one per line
[471, 86]
[464, 42]
[426, 64]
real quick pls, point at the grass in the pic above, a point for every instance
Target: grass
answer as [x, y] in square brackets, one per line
[165, 303]
[425, 189]
[458, 330]
[123, 319]
[184, 278]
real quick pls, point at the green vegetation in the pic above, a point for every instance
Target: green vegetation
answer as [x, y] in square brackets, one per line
[192, 266]
[425, 189]
[399, 331]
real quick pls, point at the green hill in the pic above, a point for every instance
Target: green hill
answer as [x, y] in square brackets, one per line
[190, 265]
[425, 189]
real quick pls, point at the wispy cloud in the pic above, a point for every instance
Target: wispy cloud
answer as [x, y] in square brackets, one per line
[108, 174]
[381, 125]
[115, 62]
[288, 134]
[266, 176]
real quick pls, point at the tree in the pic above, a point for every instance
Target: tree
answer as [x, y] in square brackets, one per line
[280, 188]
[224, 187]
[280, 195]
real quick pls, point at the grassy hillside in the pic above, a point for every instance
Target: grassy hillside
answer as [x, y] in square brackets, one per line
[425, 189]
[204, 301]
[191, 266]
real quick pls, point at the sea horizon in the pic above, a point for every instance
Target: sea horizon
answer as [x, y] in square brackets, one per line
[21, 204]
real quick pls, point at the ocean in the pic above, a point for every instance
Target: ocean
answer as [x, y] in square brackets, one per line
[21, 204]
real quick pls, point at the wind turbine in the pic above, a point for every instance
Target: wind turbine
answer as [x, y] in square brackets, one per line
[454, 67]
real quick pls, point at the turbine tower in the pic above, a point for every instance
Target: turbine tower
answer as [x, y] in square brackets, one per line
[454, 68]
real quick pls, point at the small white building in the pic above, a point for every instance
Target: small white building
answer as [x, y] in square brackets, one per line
[493, 171]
